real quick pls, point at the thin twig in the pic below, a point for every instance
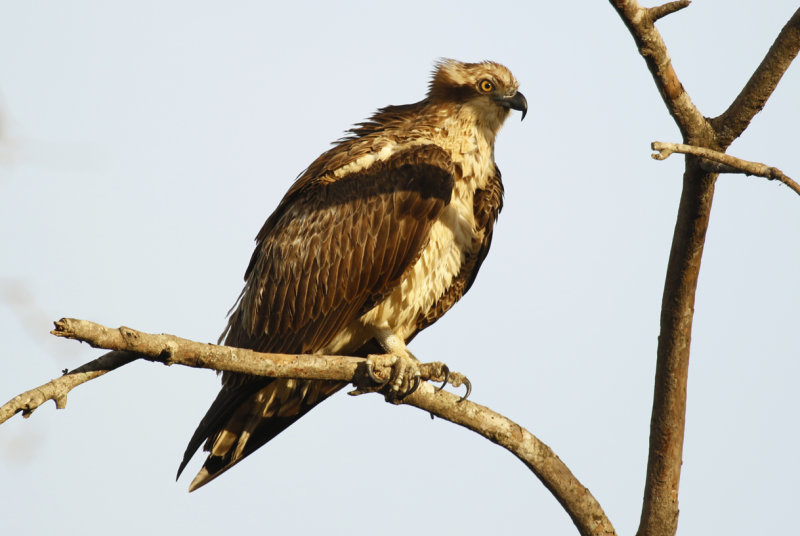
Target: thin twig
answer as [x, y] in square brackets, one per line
[732, 163]
[57, 389]
[579, 503]
[663, 10]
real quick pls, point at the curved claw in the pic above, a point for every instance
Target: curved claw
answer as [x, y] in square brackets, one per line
[373, 377]
[414, 387]
[446, 370]
[469, 390]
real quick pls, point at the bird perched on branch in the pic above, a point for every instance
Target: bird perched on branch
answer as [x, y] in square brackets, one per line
[373, 243]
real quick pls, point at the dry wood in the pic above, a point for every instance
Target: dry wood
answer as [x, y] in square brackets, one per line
[705, 138]
[57, 389]
[663, 10]
[129, 344]
[641, 23]
[733, 121]
[660, 505]
[667, 424]
[731, 163]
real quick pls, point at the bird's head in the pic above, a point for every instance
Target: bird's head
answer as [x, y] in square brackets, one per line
[487, 88]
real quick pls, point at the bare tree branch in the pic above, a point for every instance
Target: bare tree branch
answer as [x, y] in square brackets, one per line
[641, 23]
[733, 121]
[130, 344]
[667, 424]
[733, 164]
[704, 138]
[57, 389]
[169, 349]
[663, 10]
[585, 512]
[660, 505]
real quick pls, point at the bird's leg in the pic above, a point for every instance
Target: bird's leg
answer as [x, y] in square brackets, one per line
[406, 372]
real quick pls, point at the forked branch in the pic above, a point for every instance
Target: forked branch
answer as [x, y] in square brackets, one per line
[129, 344]
[641, 23]
[660, 505]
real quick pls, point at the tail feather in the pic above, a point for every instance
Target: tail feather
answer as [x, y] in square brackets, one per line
[242, 419]
[226, 403]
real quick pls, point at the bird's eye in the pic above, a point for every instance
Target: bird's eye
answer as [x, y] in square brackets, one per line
[486, 86]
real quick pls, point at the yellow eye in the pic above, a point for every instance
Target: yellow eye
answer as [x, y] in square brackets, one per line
[486, 86]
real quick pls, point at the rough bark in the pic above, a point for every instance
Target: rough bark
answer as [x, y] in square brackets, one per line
[726, 163]
[660, 505]
[708, 140]
[129, 344]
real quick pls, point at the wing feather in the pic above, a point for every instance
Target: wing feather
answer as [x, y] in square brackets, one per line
[332, 248]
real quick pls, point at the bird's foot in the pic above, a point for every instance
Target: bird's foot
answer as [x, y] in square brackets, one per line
[399, 376]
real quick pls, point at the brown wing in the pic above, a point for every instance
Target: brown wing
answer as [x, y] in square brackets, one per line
[331, 250]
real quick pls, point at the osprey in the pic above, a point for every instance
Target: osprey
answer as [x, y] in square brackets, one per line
[373, 243]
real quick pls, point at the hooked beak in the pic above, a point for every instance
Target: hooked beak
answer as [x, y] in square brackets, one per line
[517, 101]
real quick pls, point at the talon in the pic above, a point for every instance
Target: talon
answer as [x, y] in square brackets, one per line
[446, 377]
[414, 387]
[469, 390]
[373, 376]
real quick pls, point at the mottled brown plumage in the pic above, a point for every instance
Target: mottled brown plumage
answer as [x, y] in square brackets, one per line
[374, 242]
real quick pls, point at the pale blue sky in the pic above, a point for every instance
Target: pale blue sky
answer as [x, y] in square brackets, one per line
[143, 145]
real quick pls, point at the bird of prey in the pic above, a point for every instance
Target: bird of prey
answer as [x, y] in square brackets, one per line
[373, 243]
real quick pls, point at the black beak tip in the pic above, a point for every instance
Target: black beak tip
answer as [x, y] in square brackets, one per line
[517, 101]
[523, 104]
